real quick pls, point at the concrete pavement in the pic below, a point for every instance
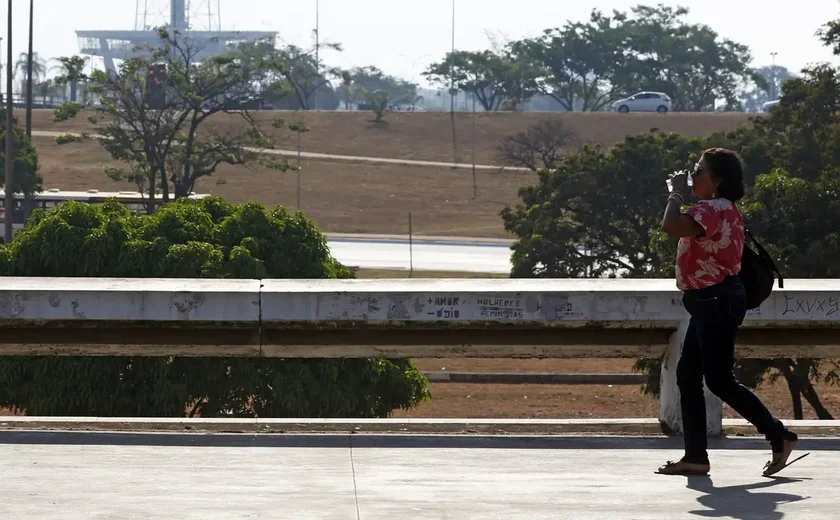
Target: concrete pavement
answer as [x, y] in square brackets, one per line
[51, 475]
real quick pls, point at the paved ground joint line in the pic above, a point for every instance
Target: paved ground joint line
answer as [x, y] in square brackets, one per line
[353, 471]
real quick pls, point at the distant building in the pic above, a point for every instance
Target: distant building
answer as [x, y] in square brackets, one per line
[121, 45]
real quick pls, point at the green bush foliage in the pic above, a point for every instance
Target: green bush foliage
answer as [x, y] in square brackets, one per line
[206, 238]
[598, 213]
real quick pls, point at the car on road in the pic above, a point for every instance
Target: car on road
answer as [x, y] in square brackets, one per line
[644, 102]
[766, 107]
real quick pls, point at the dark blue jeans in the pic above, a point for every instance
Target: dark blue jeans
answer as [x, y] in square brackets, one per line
[709, 351]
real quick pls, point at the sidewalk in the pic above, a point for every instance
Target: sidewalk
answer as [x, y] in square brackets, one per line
[52, 475]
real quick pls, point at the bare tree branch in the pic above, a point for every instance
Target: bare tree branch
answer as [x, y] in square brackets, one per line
[541, 146]
[156, 123]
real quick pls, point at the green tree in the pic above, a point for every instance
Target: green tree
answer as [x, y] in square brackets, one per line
[830, 35]
[580, 61]
[208, 238]
[71, 71]
[27, 180]
[689, 62]
[47, 88]
[774, 78]
[586, 65]
[498, 80]
[175, 144]
[806, 124]
[379, 103]
[597, 213]
[348, 88]
[271, 84]
[367, 81]
[303, 74]
[284, 89]
[39, 68]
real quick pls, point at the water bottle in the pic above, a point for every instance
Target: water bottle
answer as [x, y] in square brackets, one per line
[690, 181]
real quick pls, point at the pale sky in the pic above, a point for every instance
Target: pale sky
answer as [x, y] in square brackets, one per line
[403, 40]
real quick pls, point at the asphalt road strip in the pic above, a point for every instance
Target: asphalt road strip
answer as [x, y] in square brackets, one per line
[535, 378]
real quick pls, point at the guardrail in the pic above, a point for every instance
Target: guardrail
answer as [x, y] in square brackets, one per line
[398, 318]
[38, 102]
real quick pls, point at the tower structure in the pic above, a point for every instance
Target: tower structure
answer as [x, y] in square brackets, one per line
[179, 15]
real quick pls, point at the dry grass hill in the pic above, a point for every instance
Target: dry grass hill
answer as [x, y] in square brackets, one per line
[366, 197]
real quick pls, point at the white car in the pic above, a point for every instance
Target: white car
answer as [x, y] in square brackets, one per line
[644, 102]
[766, 107]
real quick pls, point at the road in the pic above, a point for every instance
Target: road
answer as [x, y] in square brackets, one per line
[75, 476]
[428, 254]
[344, 158]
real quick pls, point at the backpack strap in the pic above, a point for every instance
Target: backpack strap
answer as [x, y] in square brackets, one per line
[766, 257]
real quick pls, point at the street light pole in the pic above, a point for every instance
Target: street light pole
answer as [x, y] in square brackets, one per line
[773, 80]
[10, 162]
[298, 172]
[475, 187]
[452, 88]
[29, 74]
[452, 64]
[317, 50]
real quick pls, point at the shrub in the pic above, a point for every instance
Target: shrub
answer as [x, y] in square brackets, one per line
[206, 238]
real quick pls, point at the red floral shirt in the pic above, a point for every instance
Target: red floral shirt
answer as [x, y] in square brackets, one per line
[708, 260]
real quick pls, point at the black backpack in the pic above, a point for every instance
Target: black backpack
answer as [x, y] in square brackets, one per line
[757, 273]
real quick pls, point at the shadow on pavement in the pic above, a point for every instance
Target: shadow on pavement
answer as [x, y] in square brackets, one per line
[737, 502]
[391, 441]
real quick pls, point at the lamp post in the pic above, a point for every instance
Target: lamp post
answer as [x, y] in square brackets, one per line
[522, 85]
[10, 162]
[317, 52]
[452, 64]
[475, 187]
[452, 89]
[29, 74]
[773, 77]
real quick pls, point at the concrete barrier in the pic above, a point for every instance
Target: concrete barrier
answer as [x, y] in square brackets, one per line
[399, 318]
[105, 316]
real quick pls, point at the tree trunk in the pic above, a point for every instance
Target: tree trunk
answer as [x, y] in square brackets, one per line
[794, 386]
[802, 369]
[567, 104]
[73, 91]
[150, 201]
[796, 397]
[183, 188]
[302, 98]
[814, 400]
[28, 206]
[164, 183]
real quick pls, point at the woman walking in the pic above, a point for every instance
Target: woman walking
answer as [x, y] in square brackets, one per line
[708, 261]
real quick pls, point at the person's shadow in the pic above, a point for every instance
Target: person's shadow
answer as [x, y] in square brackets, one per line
[737, 501]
